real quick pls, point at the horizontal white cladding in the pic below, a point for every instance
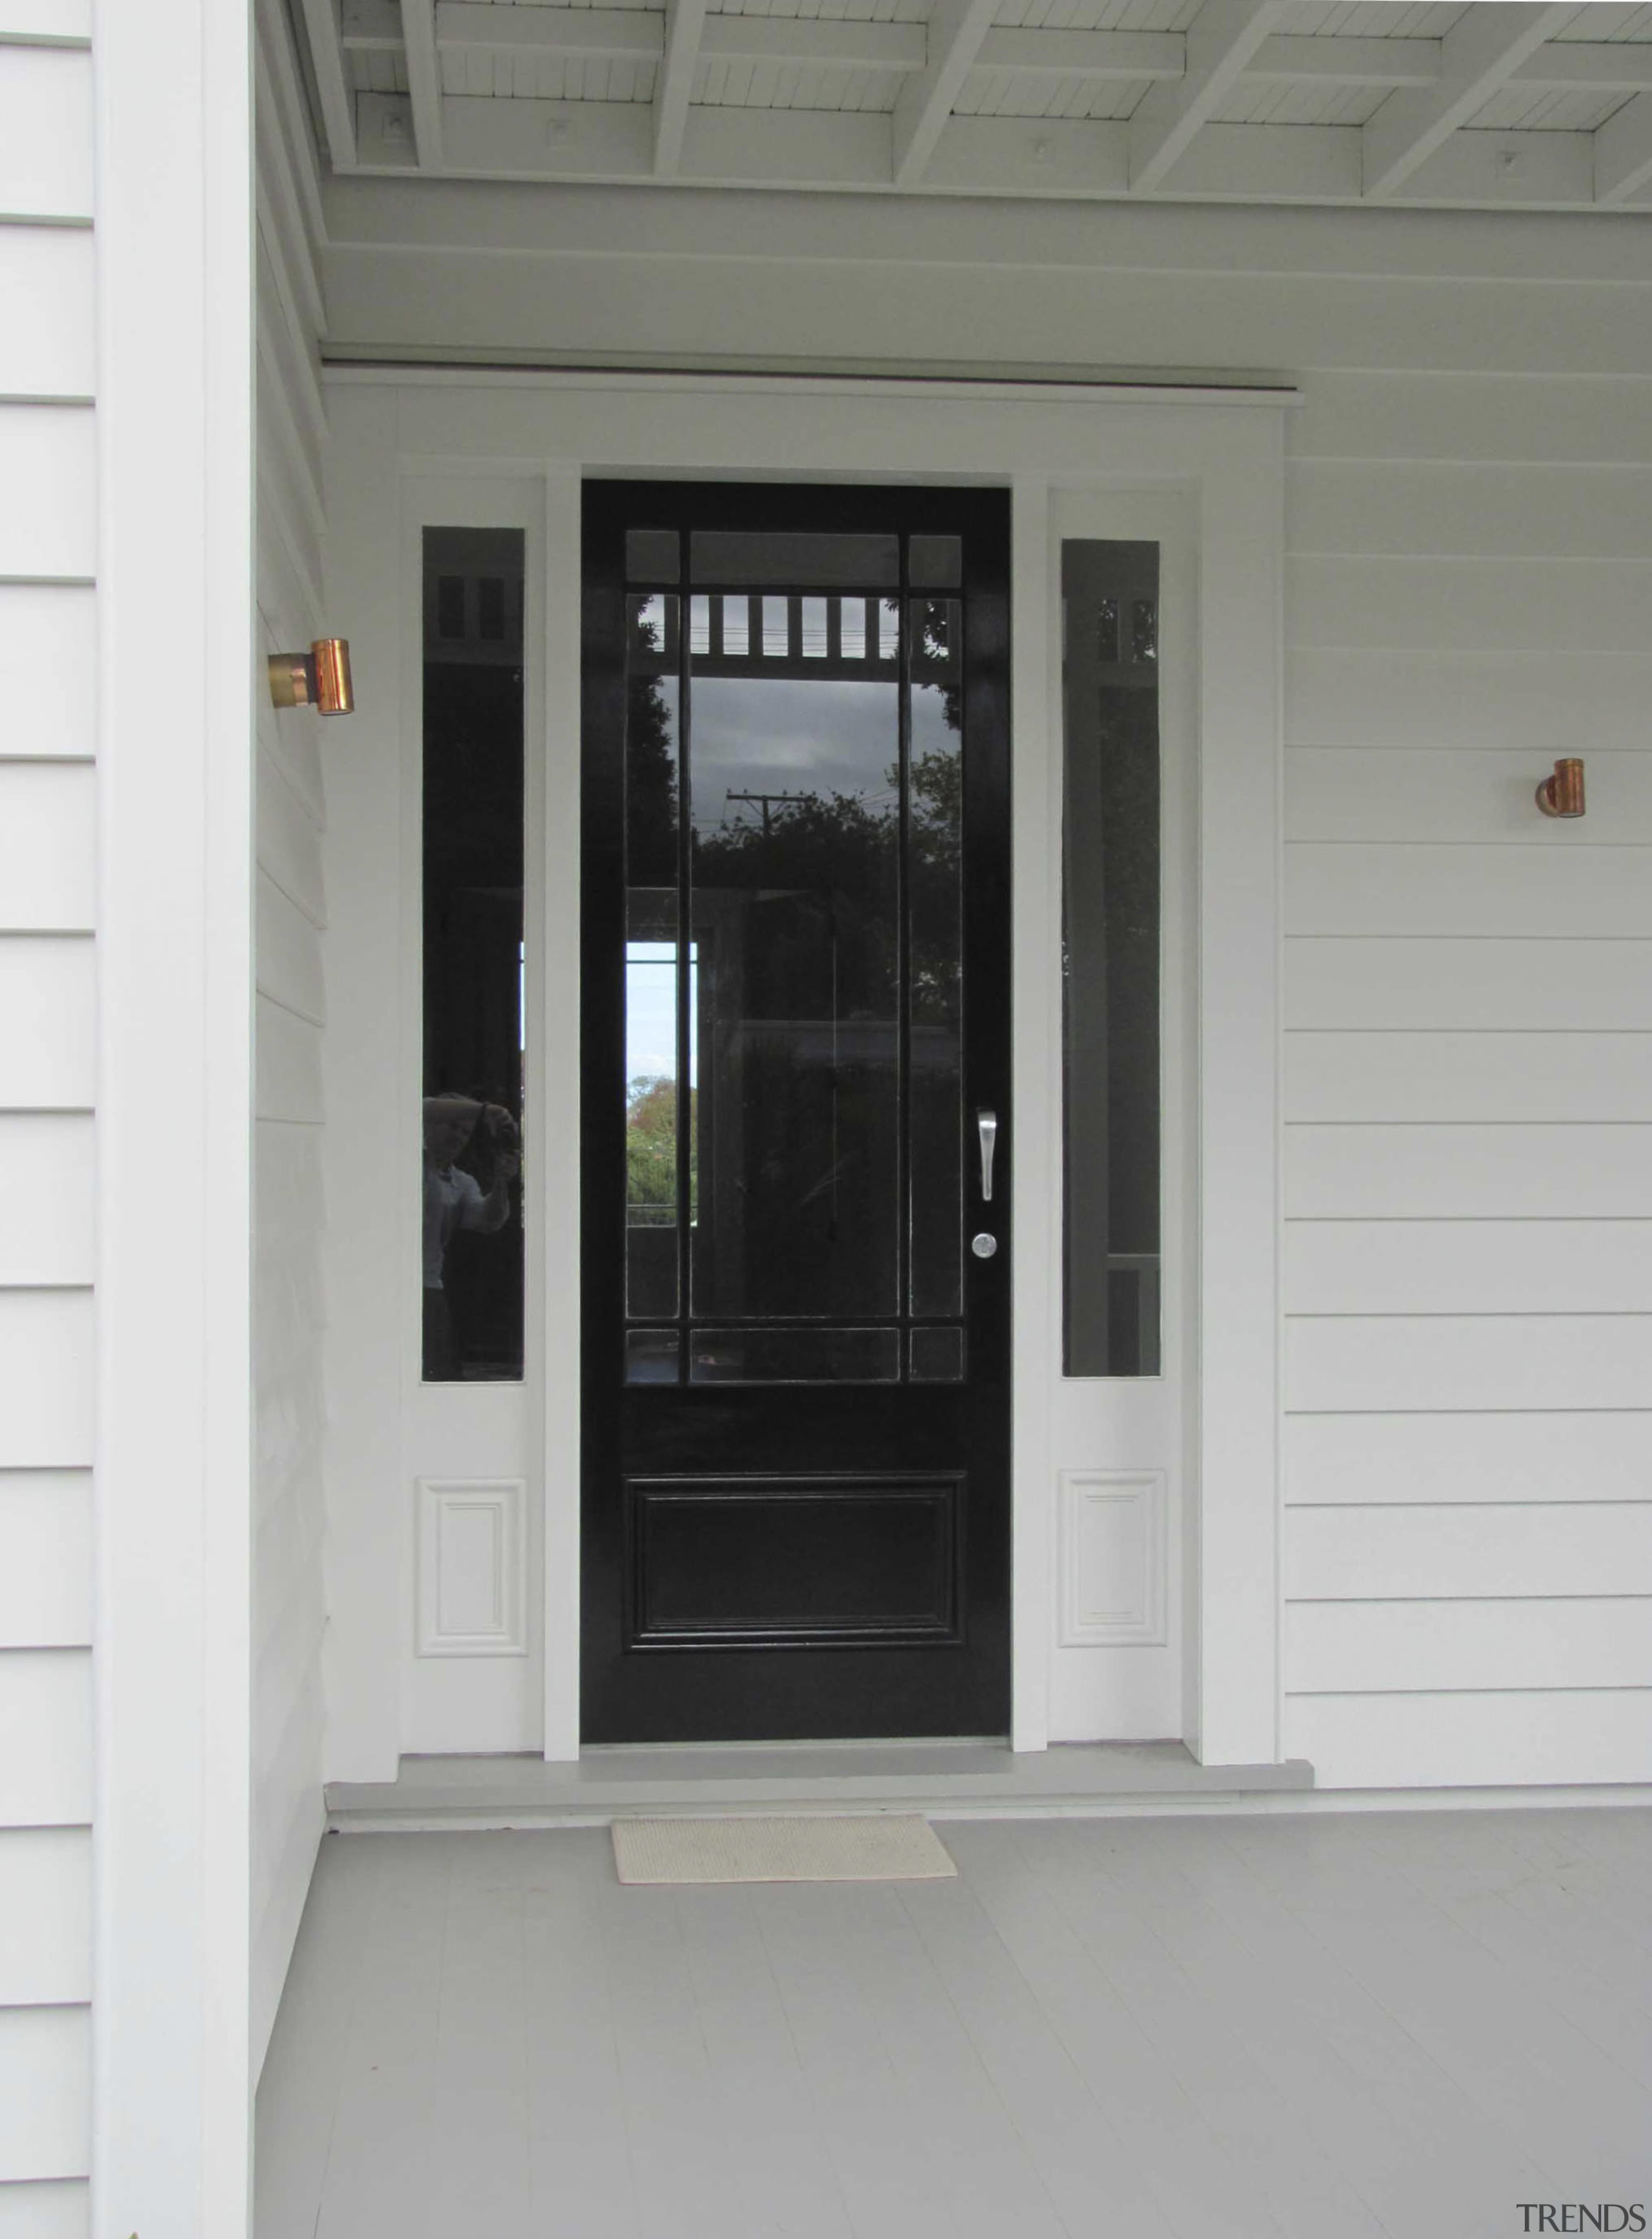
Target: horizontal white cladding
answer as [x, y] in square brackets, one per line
[1388, 1458]
[48, 1232]
[1354, 1363]
[49, 471]
[49, 657]
[1369, 418]
[45, 1563]
[1526, 893]
[1488, 605]
[48, 341]
[1456, 509]
[289, 1066]
[48, 1022]
[1370, 983]
[1468, 1266]
[1455, 1076]
[1462, 1551]
[1427, 1173]
[45, 1380]
[1473, 1739]
[290, 847]
[45, 2092]
[669, 307]
[45, 1918]
[1358, 1647]
[1528, 702]
[289, 953]
[45, 1739]
[48, 846]
[1441, 797]
[45, 133]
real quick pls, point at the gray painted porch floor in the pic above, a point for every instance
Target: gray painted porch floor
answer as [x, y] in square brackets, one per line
[1233, 2027]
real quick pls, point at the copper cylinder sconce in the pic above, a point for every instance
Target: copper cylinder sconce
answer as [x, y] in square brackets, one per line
[1562, 794]
[318, 679]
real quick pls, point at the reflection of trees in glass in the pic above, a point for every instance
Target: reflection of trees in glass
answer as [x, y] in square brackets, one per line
[651, 1150]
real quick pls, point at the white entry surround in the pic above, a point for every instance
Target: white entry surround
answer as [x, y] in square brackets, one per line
[1181, 1476]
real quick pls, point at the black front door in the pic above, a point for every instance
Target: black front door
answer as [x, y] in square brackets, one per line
[794, 1112]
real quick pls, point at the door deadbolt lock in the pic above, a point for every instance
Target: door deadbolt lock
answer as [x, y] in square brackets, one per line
[983, 1245]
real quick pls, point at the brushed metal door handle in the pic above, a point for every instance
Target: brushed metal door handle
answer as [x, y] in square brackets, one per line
[988, 1122]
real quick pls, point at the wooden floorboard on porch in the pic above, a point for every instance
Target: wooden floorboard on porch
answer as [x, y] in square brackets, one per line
[1325, 2027]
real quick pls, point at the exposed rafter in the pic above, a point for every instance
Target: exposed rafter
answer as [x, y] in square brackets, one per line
[957, 28]
[424, 79]
[1226, 36]
[338, 107]
[1623, 151]
[685, 25]
[1482, 51]
[1176, 145]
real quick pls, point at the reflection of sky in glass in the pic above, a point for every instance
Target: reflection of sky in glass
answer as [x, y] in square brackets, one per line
[769, 734]
[651, 1010]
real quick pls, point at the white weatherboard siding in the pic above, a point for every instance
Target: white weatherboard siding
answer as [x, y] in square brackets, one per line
[288, 1200]
[1468, 1061]
[48, 824]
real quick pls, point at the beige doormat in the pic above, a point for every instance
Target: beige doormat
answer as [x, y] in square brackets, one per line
[886, 1847]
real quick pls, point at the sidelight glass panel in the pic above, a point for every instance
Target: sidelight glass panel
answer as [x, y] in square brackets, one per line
[471, 1216]
[656, 1117]
[935, 961]
[794, 868]
[1111, 960]
[794, 1356]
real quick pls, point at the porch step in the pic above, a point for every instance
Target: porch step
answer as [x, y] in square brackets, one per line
[955, 1780]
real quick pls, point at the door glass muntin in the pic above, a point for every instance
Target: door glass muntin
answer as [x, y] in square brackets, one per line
[828, 853]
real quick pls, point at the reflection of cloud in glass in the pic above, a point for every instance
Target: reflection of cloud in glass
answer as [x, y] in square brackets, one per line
[765, 734]
[651, 1010]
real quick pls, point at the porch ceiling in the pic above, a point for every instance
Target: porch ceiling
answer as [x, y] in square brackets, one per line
[1332, 102]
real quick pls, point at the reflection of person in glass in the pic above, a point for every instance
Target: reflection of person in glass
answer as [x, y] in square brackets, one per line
[455, 1200]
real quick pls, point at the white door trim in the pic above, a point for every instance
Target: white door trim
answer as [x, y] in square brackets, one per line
[1226, 450]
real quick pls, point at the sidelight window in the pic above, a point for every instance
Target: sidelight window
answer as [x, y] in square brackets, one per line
[471, 1205]
[1111, 896]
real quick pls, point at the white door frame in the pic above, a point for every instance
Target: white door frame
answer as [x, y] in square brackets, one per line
[1223, 449]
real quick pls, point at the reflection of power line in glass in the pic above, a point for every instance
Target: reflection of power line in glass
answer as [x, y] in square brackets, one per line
[767, 801]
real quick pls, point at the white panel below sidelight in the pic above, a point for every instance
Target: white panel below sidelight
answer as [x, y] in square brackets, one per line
[1113, 1558]
[472, 1534]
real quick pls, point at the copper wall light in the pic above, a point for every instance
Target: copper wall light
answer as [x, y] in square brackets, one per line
[1562, 794]
[318, 679]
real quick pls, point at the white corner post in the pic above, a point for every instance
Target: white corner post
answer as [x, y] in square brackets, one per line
[1233, 1706]
[171, 2083]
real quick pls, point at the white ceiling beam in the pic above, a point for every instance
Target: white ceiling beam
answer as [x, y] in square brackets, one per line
[1583, 66]
[338, 106]
[371, 27]
[956, 30]
[1481, 52]
[424, 79]
[685, 24]
[1623, 151]
[1044, 158]
[1223, 39]
[1292, 58]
